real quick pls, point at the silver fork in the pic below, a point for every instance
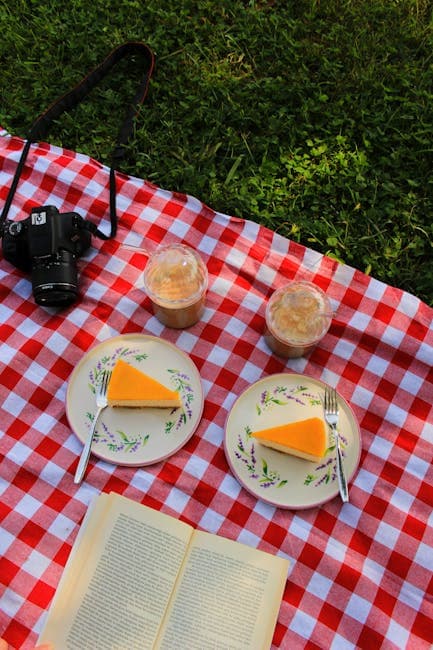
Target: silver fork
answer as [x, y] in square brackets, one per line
[101, 403]
[330, 407]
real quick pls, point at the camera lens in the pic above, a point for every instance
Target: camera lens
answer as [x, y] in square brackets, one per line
[55, 280]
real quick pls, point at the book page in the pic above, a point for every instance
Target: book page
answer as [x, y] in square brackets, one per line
[118, 581]
[227, 597]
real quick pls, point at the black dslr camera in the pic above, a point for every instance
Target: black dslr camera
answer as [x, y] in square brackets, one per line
[47, 244]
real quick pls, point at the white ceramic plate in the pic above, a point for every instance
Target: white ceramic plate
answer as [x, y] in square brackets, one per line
[280, 479]
[144, 436]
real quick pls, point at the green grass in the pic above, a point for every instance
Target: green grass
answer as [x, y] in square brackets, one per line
[312, 117]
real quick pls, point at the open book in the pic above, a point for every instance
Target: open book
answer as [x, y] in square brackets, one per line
[138, 578]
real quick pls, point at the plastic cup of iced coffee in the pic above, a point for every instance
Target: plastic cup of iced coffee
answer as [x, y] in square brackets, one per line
[298, 316]
[176, 280]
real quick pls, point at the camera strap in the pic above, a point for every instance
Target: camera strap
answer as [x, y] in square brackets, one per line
[40, 127]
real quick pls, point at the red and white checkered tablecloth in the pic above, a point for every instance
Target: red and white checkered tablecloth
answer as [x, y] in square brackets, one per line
[361, 573]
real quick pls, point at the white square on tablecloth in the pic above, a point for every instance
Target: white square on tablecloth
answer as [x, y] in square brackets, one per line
[402, 500]
[27, 506]
[177, 500]
[123, 203]
[302, 624]
[409, 304]
[196, 466]
[6, 540]
[78, 316]
[424, 556]
[221, 286]
[8, 353]
[377, 366]
[211, 521]
[312, 260]
[14, 405]
[26, 189]
[235, 327]
[319, 584]
[213, 434]
[350, 515]
[336, 550]
[5, 312]
[252, 302]
[365, 481]
[19, 453]
[264, 509]
[386, 535]
[329, 377]
[424, 353]
[360, 321]
[375, 289]
[218, 355]
[297, 365]
[397, 634]
[142, 480]
[36, 373]
[115, 265]
[250, 230]
[251, 372]
[381, 447]
[411, 595]
[248, 538]
[96, 290]
[396, 415]
[36, 563]
[427, 432]
[154, 326]
[344, 349]
[126, 306]
[230, 486]
[358, 608]
[300, 528]
[410, 382]
[23, 288]
[179, 227]
[28, 328]
[52, 473]
[11, 602]
[343, 275]
[57, 343]
[362, 397]
[61, 527]
[393, 336]
[229, 401]
[373, 570]
[418, 467]
[44, 423]
[192, 203]
[266, 275]
[236, 258]
[186, 341]
[207, 245]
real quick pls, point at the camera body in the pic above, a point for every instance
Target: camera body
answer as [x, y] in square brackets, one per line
[47, 244]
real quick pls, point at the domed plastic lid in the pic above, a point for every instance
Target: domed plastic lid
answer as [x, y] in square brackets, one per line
[175, 276]
[299, 313]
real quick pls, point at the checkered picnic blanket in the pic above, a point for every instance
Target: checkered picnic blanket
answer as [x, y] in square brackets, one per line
[361, 573]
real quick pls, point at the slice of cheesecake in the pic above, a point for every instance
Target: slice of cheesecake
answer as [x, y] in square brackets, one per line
[130, 387]
[304, 438]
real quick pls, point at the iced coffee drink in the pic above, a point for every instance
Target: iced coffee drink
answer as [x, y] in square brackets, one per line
[298, 315]
[175, 279]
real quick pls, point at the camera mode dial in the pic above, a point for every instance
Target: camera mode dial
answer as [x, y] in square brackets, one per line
[15, 228]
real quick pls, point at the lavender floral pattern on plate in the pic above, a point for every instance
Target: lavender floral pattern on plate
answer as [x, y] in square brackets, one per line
[281, 479]
[136, 436]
